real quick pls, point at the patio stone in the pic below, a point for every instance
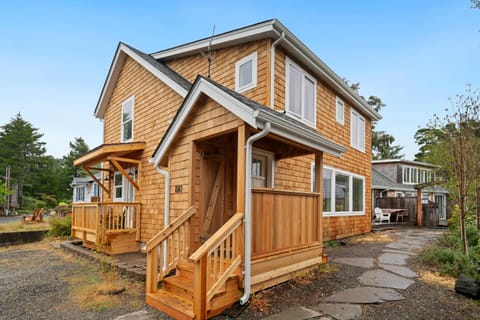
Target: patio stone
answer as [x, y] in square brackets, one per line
[393, 258]
[299, 313]
[398, 245]
[342, 311]
[382, 278]
[402, 271]
[365, 295]
[138, 315]
[356, 262]
[400, 252]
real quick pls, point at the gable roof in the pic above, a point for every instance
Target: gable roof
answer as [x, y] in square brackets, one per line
[408, 162]
[274, 29]
[158, 69]
[251, 112]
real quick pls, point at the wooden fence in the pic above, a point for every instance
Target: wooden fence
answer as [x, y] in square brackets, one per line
[409, 203]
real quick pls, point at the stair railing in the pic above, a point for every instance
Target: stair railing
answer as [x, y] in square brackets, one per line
[215, 261]
[167, 248]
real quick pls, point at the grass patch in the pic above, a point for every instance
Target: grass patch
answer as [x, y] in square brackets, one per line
[18, 226]
[60, 227]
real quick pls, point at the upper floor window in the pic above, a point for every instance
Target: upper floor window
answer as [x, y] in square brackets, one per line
[357, 131]
[246, 73]
[300, 93]
[412, 175]
[340, 111]
[127, 120]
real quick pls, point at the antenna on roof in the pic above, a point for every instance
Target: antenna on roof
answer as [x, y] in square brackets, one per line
[210, 55]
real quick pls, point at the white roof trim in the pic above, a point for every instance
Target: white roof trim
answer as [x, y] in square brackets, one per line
[254, 118]
[122, 52]
[273, 29]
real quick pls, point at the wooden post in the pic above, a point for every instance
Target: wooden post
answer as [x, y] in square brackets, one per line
[241, 170]
[152, 267]
[318, 187]
[200, 289]
[419, 207]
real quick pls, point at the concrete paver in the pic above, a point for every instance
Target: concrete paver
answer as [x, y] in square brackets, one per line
[356, 262]
[342, 311]
[384, 279]
[297, 313]
[365, 295]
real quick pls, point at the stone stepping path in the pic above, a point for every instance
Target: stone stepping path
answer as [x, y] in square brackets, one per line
[385, 279]
[364, 295]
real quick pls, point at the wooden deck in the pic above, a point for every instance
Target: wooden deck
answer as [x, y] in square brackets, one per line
[107, 226]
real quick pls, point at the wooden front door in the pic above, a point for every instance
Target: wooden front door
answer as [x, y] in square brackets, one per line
[214, 184]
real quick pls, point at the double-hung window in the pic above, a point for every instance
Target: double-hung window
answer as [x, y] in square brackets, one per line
[127, 120]
[340, 110]
[343, 193]
[246, 73]
[357, 131]
[80, 194]
[300, 94]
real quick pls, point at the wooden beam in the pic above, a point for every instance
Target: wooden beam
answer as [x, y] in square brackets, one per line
[120, 159]
[318, 187]
[87, 170]
[124, 173]
[213, 200]
[241, 171]
[419, 207]
[101, 152]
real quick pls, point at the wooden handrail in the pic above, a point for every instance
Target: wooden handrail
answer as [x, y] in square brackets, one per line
[217, 237]
[165, 233]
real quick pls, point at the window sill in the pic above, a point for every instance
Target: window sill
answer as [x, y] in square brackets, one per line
[343, 214]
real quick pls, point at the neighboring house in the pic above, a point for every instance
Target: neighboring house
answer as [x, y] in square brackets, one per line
[232, 173]
[85, 189]
[399, 178]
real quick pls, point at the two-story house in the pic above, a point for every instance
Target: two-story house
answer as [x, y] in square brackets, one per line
[400, 178]
[230, 160]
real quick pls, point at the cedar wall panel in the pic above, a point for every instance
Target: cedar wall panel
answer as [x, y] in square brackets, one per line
[155, 106]
[223, 67]
[294, 174]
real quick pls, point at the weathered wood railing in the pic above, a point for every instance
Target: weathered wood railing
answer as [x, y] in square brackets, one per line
[94, 221]
[215, 261]
[167, 248]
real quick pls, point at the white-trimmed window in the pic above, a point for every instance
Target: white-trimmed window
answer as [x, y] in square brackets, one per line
[96, 190]
[80, 194]
[118, 187]
[343, 193]
[127, 120]
[262, 168]
[357, 131]
[246, 73]
[340, 110]
[413, 175]
[300, 94]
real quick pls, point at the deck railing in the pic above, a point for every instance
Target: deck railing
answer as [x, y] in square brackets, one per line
[215, 261]
[166, 249]
[94, 221]
[282, 220]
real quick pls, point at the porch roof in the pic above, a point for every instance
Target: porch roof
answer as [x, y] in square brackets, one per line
[251, 112]
[104, 151]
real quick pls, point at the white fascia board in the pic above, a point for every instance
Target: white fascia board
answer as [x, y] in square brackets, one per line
[216, 94]
[114, 73]
[226, 39]
[298, 134]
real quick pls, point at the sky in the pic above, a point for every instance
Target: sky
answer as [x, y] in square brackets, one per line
[413, 54]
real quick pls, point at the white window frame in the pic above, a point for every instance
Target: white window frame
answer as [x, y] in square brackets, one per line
[115, 187]
[77, 193]
[131, 101]
[270, 180]
[340, 116]
[350, 212]
[414, 175]
[357, 130]
[253, 58]
[304, 74]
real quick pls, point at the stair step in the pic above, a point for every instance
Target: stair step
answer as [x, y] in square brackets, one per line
[186, 270]
[179, 285]
[171, 304]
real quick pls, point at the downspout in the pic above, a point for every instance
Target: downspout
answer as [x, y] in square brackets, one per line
[166, 207]
[248, 210]
[272, 69]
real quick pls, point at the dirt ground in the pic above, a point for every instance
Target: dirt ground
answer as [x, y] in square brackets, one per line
[38, 281]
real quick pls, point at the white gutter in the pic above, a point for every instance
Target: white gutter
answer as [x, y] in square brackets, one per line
[166, 209]
[248, 211]
[272, 69]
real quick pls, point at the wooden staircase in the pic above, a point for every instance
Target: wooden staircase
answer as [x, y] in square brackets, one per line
[204, 283]
[176, 297]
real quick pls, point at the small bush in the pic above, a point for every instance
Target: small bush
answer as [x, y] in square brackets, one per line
[60, 227]
[30, 203]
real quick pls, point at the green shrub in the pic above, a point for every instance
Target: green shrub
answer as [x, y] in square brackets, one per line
[50, 201]
[60, 227]
[449, 262]
[30, 203]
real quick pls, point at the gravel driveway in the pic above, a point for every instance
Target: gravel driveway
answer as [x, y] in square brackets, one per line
[34, 284]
